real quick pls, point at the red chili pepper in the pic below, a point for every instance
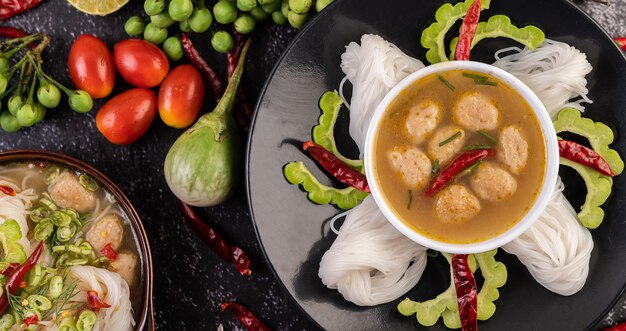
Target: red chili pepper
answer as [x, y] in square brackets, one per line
[466, 292]
[109, 252]
[232, 254]
[621, 41]
[213, 80]
[462, 162]
[31, 320]
[585, 156]
[11, 32]
[618, 327]
[336, 167]
[95, 302]
[17, 276]
[7, 190]
[10, 8]
[10, 269]
[468, 30]
[249, 321]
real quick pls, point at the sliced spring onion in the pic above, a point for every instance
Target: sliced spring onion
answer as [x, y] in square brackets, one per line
[487, 136]
[51, 174]
[477, 146]
[88, 183]
[479, 80]
[436, 167]
[451, 138]
[446, 82]
[410, 199]
[485, 82]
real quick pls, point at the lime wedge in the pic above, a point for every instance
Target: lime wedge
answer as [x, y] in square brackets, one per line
[98, 7]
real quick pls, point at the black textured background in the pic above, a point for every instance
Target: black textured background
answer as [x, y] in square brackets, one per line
[190, 281]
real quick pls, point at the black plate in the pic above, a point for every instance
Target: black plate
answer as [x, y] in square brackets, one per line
[293, 230]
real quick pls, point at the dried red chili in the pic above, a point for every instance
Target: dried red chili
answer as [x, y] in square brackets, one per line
[9, 8]
[11, 32]
[249, 321]
[337, 168]
[618, 327]
[7, 190]
[31, 320]
[213, 80]
[16, 278]
[10, 269]
[466, 292]
[232, 254]
[95, 302]
[585, 156]
[468, 30]
[462, 162]
[621, 42]
[109, 252]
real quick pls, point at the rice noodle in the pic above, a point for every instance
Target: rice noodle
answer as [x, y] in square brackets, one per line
[556, 249]
[555, 71]
[112, 289]
[358, 264]
[16, 207]
[373, 68]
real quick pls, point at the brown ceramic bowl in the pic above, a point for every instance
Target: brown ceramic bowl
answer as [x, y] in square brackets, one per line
[144, 317]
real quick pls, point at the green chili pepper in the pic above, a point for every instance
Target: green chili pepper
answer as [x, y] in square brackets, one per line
[39, 302]
[55, 288]
[86, 320]
[67, 324]
[6, 322]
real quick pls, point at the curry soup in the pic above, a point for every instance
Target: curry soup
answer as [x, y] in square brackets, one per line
[437, 119]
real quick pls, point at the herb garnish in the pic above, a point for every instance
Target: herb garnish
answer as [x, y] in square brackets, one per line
[451, 138]
[436, 167]
[487, 136]
[475, 147]
[410, 199]
[446, 82]
[479, 80]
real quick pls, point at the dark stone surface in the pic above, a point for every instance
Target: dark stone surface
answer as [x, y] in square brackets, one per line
[190, 281]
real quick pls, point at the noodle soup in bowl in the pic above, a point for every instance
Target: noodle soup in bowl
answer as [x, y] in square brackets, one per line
[95, 263]
[461, 157]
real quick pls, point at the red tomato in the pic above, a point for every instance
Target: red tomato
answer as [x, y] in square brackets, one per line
[91, 66]
[140, 62]
[127, 116]
[180, 96]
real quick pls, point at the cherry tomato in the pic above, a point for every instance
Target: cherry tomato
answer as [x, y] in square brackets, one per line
[91, 66]
[180, 96]
[140, 62]
[127, 116]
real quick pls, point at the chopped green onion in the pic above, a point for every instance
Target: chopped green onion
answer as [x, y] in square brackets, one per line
[485, 82]
[39, 302]
[88, 183]
[46, 203]
[487, 136]
[469, 169]
[86, 320]
[55, 288]
[436, 167]
[451, 138]
[410, 199]
[475, 147]
[474, 76]
[446, 82]
[51, 174]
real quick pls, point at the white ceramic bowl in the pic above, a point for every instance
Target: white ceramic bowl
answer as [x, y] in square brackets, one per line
[551, 164]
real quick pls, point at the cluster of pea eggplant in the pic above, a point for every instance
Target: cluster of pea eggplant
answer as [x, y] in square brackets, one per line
[197, 16]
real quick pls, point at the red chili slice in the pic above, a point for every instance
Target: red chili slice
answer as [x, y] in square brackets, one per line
[621, 42]
[95, 302]
[7, 190]
[109, 252]
[31, 320]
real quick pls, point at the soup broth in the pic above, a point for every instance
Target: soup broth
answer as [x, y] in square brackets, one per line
[437, 119]
[99, 224]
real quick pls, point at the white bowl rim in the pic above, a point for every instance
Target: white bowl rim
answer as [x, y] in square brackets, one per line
[551, 165]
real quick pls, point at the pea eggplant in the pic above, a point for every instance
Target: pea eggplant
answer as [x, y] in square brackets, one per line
[202, 167]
